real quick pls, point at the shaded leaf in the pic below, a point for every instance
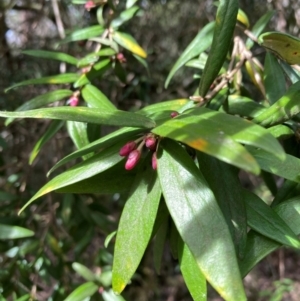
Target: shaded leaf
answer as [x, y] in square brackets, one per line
[84, 34]
[159, 245]
[199, 44]
[124, 16]
[83, 271]
[199, 220]
[135, 226]
[111, 296]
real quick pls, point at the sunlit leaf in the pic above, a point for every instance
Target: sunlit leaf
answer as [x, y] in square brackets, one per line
[14, 232]
[124, 16]
[83, 271]
[84, 34]
[243, 18]
[83, 291]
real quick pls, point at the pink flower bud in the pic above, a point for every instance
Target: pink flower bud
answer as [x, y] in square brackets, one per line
[127, 148]
[174, 114]
[150, 143]
[89, 5]
[73, 101]
[121, 58]
[154, 161]
[133, 159]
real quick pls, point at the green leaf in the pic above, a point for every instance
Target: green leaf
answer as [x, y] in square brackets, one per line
[283, 109]
[130, 3]
[228, 196]
[259, 246]
[84, 34]
[52, 55]
[124, 16]
[223, 32]
[288, 169]
[84, 114]
[192, 275]
[128, 42]
[111, 296]
[83, 291]
[206, 130]
[290, 72]
[199, 44]
[102, 183]
[42, 100]
[260, 26]
[106, 141]
[136, 225]
[88, 60]
[281, 131]
[109, 238]
[274, 79]
[14, 232]
[199, 220]
[243, 18]
[65, 78]
[288, 190]
[84, 170]
[285, 46]
[83, 271]
[265, 221]
[54, 127]
[159, 245]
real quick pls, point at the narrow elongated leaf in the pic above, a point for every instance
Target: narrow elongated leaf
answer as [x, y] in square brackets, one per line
[65, 78]
[223, 32]
[285, 46]
[84, 34]
[228, 196]
[274, 79]
[193, 277]
[290, 72]
[106, 141]
[96, 99]
[128, 42]
[283, 109]
[288, 190]
[130, 3]
[281, 131]
[135, 227]
[259, 246]
[14, 232]
[159, 245]
[243, 18]
[54, 127]
[84, 170]
[260, 26]
[124, 16]
[83, 291]
[199, 44]
[52, 55]
[111, 296]
[264, 220]
[199, 220]
[288, 169]
[83, 271]
[42, 100]
[84, 114]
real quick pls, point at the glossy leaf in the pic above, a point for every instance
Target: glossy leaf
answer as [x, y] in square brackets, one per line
[52, 55]
[259, 246]
[285, 46]
[14, 232]
[228, 196]
[223, 32]
[159, 245]
[288, 168]
[65, 78]
[83, 271]
[42, 100]
[193, 277]
[84, 170]
[283, 109]
[54, 127]
[260, 26]
[135, 226]
[128, 42]
[199, 220]
[83, 291]
[274, 79]
[106, 141]
[199, 44]
[264, 220]
[84, 34]
[124, 16]
[84, 114]
[281, 131]
[102, 183]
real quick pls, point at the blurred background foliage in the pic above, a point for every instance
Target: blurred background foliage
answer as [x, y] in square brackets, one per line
[72, 228]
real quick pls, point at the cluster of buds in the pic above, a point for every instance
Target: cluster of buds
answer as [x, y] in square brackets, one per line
[89, 5]
[133, 149]
[74, 99]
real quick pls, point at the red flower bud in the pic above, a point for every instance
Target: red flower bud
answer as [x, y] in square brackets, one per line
[150, 142]
[133, 159]
[89, 5]
[121, 58]
[73, 101]
[154, 161]
[127, 148]
[174, 114]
